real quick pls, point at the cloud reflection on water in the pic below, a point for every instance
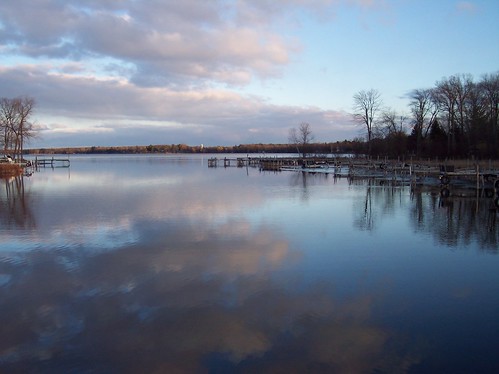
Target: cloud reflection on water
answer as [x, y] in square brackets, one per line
[99, 209]
[180, 301]
[166, 268]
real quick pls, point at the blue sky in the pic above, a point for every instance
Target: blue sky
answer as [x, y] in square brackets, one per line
[227, 72]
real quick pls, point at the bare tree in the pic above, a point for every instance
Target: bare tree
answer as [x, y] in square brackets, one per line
[392, 122]
[301, 137]
[25, 128]
[446, 100]
[489, 85]
[424, 110]
[8, 119]
[463, 87]
[393, 131]
[366, 106]
[452, 95]
[15, 125]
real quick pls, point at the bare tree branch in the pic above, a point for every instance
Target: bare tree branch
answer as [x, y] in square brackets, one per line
[301, 137]
[366, 106]
[15, 125]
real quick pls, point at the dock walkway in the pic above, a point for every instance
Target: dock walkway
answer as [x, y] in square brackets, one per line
[51, 162]
[481, 177]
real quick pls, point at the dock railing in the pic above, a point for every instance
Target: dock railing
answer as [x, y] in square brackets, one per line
[51, 162]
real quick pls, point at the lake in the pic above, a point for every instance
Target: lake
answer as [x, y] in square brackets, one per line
[159, 264]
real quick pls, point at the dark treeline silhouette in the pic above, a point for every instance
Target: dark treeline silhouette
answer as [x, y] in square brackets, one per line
[345, 146]
[457, 118]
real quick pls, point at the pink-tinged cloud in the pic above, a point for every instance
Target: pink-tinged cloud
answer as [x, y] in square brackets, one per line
[117, 107]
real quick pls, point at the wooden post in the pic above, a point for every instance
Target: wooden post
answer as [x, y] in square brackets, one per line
[477, 176]
[477, 186]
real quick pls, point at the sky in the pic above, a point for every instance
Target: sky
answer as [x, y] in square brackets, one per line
[229, 72]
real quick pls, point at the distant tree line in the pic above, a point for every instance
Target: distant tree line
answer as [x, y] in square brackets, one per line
[15, 125]
[456, 118]
[346, 146]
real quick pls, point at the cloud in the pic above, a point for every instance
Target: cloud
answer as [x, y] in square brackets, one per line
[209, 116]
[176, 68]
[167, 42]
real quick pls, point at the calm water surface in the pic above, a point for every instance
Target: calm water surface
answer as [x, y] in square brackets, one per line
[162, 265]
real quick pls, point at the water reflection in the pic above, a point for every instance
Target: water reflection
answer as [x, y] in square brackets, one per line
[181, 302]
[457, 221]
[15, 208]
[451, 221]
[155, 266]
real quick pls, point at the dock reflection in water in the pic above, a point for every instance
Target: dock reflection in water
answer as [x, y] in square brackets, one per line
[166, 266]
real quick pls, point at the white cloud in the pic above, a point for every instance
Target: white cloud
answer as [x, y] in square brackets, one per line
[187, 63]
[169, 42]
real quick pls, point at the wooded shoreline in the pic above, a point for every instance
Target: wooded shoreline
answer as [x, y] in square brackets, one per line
[319, 148]
[351, 147]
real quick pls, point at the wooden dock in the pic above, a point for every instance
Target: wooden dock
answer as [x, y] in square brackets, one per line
[451, 178]
[51, 162]
[239, 162]
[263, 163]
[359, 167]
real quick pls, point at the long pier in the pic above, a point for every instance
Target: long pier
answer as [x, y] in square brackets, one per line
[452, 178]
[352, 167]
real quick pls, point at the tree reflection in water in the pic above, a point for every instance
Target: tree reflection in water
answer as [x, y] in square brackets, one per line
[15, 208]
[451, 221]
[458, 220]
